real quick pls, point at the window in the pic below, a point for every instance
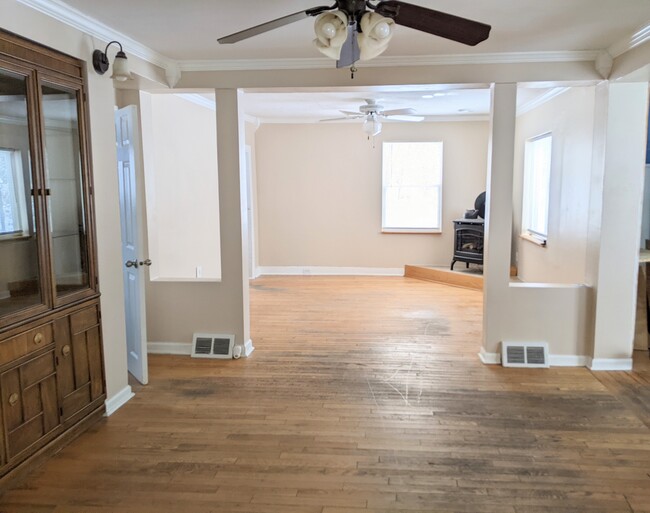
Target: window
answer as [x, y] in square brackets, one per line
[537, 179]
[13, 215]
[412, 187]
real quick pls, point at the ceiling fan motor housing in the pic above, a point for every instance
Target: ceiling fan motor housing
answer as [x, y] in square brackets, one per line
[355, 9]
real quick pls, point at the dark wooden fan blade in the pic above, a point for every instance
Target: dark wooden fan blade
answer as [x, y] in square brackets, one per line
[270, 25]
[438, 23]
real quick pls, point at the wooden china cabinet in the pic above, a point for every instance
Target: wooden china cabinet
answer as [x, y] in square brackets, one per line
[51, 363]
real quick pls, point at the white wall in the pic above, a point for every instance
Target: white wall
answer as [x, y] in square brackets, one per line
[319, 193]
[182, 189]
[570, 119]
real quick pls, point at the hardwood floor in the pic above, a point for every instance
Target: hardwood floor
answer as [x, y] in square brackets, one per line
[364, 395]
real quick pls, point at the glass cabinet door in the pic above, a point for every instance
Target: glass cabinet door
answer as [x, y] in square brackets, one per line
[20, 260]
[65, 189]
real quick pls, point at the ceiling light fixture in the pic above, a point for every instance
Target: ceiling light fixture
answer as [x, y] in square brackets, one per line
[120, 64]
[332, 34]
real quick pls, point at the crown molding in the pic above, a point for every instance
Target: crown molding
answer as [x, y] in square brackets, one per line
[382, 62]
[626, 44]
[76, 19]
[541, 100]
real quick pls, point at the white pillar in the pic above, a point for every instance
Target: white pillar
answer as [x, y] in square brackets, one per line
[232, 203]
[498, 219]
[619, 165]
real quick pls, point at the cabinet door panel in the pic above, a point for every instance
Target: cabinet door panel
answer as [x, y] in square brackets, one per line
[79, 371]
[80, 358]
[12, 405]
[95, 363]
[30, 407]
[34, 371]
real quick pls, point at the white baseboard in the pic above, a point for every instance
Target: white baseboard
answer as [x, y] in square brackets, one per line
[179, 348]
[610, 364]
[5, 294]
[248, 348]
[489, 358]
[330, 271]
[568, 360]
[118, 400]
[555, 360]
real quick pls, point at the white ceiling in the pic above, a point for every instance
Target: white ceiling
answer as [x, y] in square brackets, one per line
[188, 29]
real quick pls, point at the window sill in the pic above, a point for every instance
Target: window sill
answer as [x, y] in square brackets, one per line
[535, 239]
[14, 238]
[410, 231]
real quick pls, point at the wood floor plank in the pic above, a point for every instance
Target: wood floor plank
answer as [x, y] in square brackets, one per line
[364, 395]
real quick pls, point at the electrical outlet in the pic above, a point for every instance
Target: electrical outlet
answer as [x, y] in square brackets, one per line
[199, 271]
[306, 271]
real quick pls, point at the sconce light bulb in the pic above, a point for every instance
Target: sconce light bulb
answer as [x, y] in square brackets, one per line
[382, 30]
[328, 30]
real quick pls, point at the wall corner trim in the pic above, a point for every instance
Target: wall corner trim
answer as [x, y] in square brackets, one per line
[610, 364]
[248, 348]
[177, 348]
[118, 400]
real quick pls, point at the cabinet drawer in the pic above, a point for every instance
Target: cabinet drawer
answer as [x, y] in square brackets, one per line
[25, 343]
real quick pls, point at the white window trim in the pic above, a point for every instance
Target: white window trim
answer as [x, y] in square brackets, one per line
[406, 230]
[527, 233]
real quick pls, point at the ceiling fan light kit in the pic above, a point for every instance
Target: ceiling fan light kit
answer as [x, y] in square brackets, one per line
[361, 29]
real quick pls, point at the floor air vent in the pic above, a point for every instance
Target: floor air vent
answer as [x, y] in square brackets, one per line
[212, 345]
[529, 354]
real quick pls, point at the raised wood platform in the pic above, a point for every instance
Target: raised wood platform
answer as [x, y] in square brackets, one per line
[471, 278]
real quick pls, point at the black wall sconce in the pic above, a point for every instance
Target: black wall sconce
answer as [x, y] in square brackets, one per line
[120, 64]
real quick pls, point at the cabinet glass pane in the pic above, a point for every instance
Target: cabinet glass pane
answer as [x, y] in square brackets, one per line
[19, 264]
[65, 184]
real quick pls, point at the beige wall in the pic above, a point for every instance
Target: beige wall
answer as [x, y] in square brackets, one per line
[319, 193]
[570, 119]
[27, 22]
[182, 189]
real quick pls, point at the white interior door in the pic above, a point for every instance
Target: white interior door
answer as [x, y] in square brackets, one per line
[249, 214]
[134, 267]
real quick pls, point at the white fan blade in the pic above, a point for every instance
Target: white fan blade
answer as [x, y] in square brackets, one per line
[337, 119]
[350, 113]
[404, 118]
[399, 112]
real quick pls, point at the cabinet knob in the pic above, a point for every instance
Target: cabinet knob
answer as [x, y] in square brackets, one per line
[65, 350]
[38, 338]
[146, 262]
[13, 399]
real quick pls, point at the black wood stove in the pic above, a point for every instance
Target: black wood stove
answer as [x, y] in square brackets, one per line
[468, 241]
[469, 235]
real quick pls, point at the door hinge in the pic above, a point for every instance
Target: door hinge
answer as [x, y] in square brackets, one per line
[96, 281]
[61, 411]
[56, 360]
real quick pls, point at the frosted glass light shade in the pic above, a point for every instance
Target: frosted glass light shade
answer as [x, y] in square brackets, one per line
[376, 33]
[331, 33]
[121, 68]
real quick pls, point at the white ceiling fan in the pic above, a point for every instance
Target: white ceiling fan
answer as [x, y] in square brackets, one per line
[373, 114]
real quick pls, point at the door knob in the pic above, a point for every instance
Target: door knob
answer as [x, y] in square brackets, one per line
[147, 262]
[131, 263]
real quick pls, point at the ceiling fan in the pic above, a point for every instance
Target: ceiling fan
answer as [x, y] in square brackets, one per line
[371, 22]
[373, 114]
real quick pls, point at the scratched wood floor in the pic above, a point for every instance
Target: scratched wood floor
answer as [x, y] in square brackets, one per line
[363, 395]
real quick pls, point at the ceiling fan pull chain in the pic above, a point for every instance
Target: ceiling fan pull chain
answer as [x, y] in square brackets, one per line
[353, 70]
